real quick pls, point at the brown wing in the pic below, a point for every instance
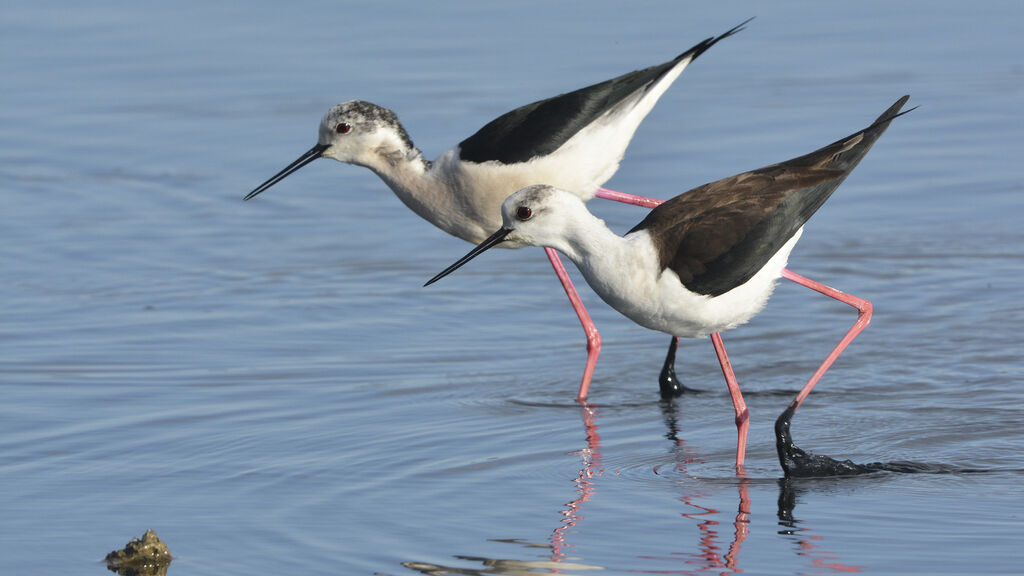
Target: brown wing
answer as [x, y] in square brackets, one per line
[717, 236]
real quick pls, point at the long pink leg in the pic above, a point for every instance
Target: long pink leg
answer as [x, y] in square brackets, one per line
[863, 319]
[742, 414]
[864, 310]
[593, 337]
[627, 198]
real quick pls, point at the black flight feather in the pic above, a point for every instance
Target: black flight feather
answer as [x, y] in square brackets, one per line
[540, 128]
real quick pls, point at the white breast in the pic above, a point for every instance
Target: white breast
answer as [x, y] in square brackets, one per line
[636, 287]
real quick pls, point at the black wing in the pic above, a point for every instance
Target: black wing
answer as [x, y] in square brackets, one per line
[541, 128]
[717, 236]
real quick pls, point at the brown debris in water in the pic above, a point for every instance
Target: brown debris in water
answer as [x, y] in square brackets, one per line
[146, 556]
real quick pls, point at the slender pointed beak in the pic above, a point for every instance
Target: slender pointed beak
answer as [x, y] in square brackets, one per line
[495, 239]
[310, 155]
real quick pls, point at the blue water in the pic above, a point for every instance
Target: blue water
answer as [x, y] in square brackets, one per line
[267, 386]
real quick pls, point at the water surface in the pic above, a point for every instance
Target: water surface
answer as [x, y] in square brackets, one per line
[267, 386]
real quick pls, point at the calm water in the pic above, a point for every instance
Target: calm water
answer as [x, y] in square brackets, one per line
[266, 385]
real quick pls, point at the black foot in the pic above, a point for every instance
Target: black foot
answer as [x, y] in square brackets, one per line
[797, 463]
[668, 382]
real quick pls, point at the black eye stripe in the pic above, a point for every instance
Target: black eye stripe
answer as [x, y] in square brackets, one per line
[524, 213]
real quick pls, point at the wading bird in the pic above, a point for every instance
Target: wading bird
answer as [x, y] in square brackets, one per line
[703, 262]
[574, 141]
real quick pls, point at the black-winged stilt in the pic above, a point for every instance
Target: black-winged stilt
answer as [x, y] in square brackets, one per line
[574, 141]
[704, 261]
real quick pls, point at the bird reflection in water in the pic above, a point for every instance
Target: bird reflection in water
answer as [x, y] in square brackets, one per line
[708, 555]
[590, 458]
[808, 544]
[560, 561]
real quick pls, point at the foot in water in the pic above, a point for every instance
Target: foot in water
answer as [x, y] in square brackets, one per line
[798, 463]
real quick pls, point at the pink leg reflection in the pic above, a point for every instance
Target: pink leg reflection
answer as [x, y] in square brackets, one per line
[584, 481]
[709, 555]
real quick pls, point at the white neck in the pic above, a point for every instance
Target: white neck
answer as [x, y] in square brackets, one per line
[586, 239]
[619, 269]
[439, 193]
[408, 175]
[402, 170]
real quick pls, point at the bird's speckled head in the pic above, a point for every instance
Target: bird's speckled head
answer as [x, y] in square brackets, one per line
[357, 133]
[361, 133]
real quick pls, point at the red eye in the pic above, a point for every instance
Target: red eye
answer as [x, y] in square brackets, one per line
[524, 213]
[343, 128]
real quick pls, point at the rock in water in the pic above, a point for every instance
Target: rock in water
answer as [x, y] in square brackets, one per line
[146, 556]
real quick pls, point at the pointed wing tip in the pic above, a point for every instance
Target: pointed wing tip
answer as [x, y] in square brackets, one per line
[893, 112]
[707, 43]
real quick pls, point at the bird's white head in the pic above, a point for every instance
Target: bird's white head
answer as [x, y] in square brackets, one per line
[538, 215]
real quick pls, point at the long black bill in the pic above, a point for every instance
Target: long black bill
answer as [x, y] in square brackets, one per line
[310, 155]
[495, 239]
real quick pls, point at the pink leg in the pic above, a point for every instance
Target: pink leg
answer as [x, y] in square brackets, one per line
[742, 414]
[627, 198]
[593, 337]
[863, 307]
[863, 318]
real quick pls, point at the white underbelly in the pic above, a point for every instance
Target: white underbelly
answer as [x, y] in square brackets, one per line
[661, 302]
